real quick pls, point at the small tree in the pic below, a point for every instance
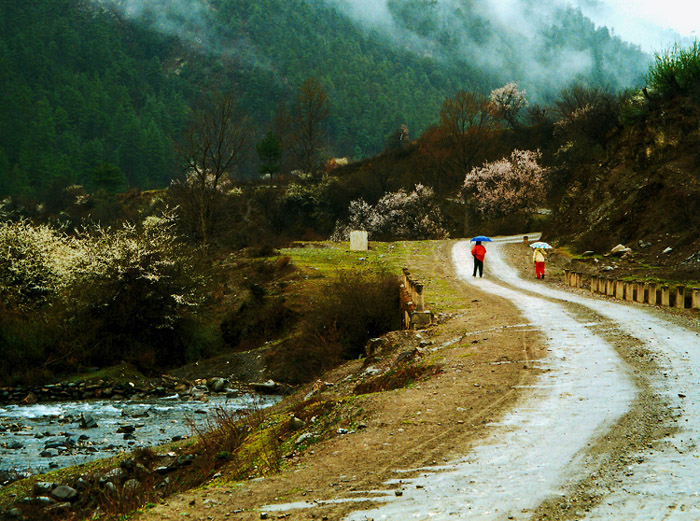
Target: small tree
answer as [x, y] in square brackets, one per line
[586, 114]
[508, 102]
[270, 154]
[514, 185]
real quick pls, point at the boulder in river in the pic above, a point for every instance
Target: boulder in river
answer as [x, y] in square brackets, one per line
[87, 421]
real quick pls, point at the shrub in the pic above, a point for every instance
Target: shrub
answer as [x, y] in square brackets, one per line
[397, 215]
[358, 306]
[675, 71]
[99, 297]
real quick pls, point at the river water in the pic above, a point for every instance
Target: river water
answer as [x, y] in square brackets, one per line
[41, 437]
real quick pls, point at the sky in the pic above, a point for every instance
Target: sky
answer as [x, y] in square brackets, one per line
[652, 24]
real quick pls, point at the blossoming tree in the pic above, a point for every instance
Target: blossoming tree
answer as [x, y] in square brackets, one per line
[508, 102]
[400, 214]
[514, 185]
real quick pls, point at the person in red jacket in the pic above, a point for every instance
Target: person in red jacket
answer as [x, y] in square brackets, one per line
[478, 252]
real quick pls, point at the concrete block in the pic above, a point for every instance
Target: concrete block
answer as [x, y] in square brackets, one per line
[619, 290]
[680, 297]
[610, 287]
[651, 293]
[630, 288]
[665, 296]
[358, 240]
[421, 319]
[695, 298]
[640, 296]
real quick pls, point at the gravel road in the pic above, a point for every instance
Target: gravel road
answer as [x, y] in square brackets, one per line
[609, 430]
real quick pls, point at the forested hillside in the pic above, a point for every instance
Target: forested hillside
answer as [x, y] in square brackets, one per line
[96, 92]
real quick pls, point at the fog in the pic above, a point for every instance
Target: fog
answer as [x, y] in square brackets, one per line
[511, 44]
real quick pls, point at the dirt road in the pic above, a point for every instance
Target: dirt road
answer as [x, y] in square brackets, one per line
[552, 405]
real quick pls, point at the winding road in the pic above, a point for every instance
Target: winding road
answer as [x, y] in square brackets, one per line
[568, 437]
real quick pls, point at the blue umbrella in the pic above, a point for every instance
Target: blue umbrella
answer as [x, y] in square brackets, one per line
[481, 238]
[540, 245]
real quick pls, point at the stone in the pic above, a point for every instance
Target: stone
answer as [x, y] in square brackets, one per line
[620, 250]
[132, 485]
[87, 421]
[43, 488]
[304, 437]
[296, 423]
[14, 445]
[269, 387]
[376, 346]
[64, 493]
[117, 475]
[218, 385]
[126, 429]
[48, 453]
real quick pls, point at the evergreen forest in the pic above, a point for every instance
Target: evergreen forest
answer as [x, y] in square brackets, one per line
[96, 93]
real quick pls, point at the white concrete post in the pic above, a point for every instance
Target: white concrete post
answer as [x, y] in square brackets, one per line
[651, 293]
[680, 297]
[358, 240]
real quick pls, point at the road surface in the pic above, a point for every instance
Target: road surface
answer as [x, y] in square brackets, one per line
[609, 431]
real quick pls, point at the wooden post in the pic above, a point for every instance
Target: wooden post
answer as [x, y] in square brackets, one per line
[594, 284]
[629, 291]
[641, 290]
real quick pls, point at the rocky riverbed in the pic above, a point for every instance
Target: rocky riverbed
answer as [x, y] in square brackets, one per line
[38, 437]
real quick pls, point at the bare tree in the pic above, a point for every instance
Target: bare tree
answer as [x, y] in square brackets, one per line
[307, 125]
[467, 123]
[211, 147]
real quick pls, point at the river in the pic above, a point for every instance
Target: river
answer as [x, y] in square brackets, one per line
[45, 436]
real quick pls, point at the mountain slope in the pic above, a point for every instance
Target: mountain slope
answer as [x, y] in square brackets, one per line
[110, 81]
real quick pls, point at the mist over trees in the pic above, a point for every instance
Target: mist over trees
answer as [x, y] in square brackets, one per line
[95, 87]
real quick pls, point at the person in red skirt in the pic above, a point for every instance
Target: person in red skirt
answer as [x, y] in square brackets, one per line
[539, 256]
[478, 252]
